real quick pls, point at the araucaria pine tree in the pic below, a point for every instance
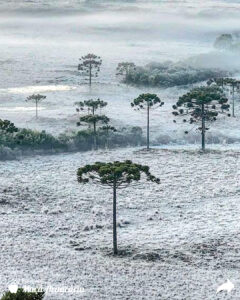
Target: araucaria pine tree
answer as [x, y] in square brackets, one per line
[202, 106]
[115, 175]
[124, 69]
[231, 83]
[147, 102]
[107, 129]
[89, 66]
[94, 120]
[91, 106]
[36, 99]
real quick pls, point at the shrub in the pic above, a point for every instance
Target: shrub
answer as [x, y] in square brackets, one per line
[22, 295]
[24, 141]
[170, 74]
[26, 138]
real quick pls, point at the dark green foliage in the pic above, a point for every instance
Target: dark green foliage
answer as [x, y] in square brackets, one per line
[115, 175]
[201, 105]
[224, 81]
[29, 139]
[90, 105]
[170, 74]
[122, 172]
[22, 295]
[89, 66]
[231, 83]
[108, 128]
[190, 104]
[94, 119]
[145, 100]
[36, 98]
[7, 126]
[148, 102]
[124, 69]
[13, 140]
[83, 140]
[39, 140]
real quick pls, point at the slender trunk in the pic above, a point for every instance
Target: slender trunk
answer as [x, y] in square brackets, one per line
[89, 125]
[203, 128]
[95, 136]
[107, 144]
[90, 74]
[148, 108]
[233, 101]
[115, 250]
[36, 109]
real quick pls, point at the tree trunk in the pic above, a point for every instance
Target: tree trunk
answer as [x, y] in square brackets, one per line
[233, 101]
[36, 109]
[90, 74]
[95, 136]
[148, 108]
[107, 144]
[203, 128]
[115, 250]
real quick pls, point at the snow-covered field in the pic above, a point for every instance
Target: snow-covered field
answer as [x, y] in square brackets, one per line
[181, 237]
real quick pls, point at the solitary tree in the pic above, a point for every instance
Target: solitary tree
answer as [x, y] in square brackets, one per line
[200, 106]
[36, 98]
[115, 175]
[91, 106]
[94, 120]
[124, 69]
[107, 129]
[148, 102]
[89, 66]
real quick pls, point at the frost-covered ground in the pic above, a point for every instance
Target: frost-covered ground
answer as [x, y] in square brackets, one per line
[181, 237]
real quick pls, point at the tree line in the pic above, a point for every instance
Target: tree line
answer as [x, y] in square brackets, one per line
[199, 107]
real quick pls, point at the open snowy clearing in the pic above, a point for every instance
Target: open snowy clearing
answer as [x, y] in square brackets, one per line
[180, 238]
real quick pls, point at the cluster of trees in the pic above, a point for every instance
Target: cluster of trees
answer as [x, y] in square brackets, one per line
[227, 41]
[94, 119]
[199, 107]
[26, 140]
[21, 294]
[229, 85]
[11, 136]
[167, 74]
